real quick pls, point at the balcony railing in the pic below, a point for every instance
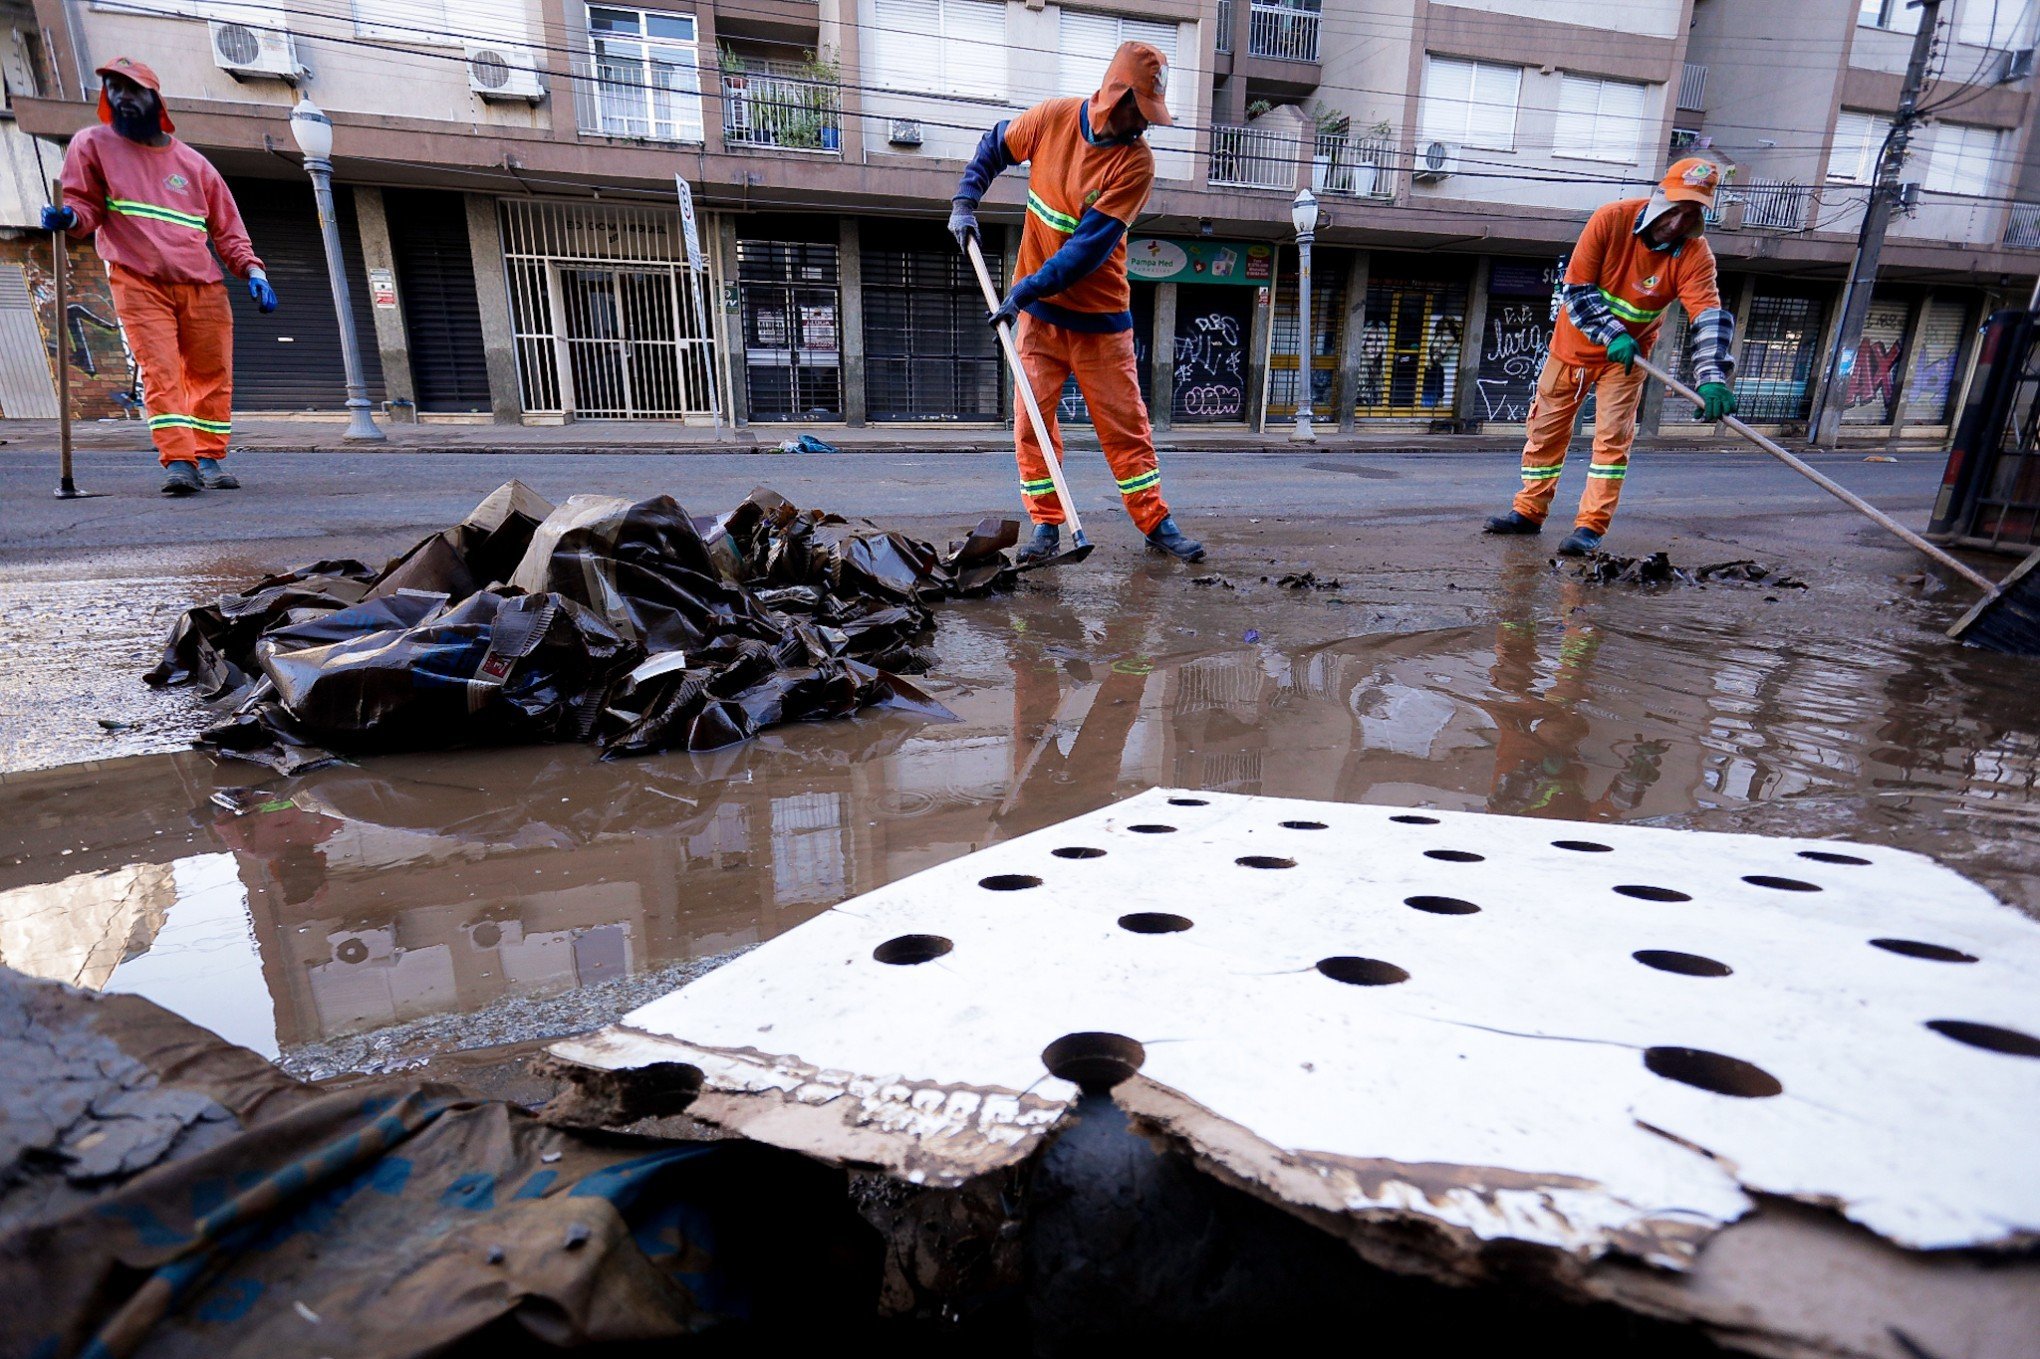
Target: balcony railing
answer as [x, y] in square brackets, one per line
[1775, 206]
[1693, 87]
[1363, 166]
[1224, 41]
[2022, 232]
[1251, 158]
[1284, 29]
[788, 112]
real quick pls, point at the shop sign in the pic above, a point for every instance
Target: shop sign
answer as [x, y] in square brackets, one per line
[382, 289]
[1163, 259]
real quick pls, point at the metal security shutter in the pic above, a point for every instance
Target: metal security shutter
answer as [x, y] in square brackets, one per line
[289, 360]
[27, 390]
[1327, 319]
[1409, 348]
[928, 354]
[1208, 375]
[436, 289]
[1880, 363]
[1940, 362]
[792, 355]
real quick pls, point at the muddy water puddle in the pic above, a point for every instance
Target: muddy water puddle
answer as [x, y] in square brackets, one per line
[283, 913]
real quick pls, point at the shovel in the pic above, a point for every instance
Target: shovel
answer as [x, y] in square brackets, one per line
[2006, 619]
[1080, 546]
[60, 286]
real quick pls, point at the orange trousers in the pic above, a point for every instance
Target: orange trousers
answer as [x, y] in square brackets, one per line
[1561, 390]
[1110, 381]
[182, 335]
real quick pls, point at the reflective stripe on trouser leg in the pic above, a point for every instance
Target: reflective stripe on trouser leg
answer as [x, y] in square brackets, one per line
[1109, 376]
[1046, 360]
[1548, 429]
[148, 315]
[1617, 395]
[205, 336]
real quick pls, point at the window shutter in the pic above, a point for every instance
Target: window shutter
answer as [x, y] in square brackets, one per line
[1448, 88]
[1619, 131]
[1161, 37]
[973, 46]
[1578, 103]
[1491, 117]
[1087, 44]
[403, 20]
[900, 28]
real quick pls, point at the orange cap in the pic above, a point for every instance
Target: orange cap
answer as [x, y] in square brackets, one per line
[1692, 180]
[1141, 69]
[129, 68]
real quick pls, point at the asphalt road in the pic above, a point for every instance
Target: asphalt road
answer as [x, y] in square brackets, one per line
[371, 502]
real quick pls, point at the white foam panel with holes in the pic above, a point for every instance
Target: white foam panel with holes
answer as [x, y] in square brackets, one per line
[1526, 1043]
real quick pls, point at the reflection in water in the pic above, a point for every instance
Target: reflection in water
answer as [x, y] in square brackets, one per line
[284, 911]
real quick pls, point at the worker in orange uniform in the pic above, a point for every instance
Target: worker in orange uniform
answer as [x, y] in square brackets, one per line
[1634, 257]
[155, 203]
[1089, 174]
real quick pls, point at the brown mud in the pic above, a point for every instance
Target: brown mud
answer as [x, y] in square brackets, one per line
[539, 890]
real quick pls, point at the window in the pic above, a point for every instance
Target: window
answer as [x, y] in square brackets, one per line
[1892, 14]
[1962, 159]
[1471, 102]
[438, 21]
[647, 81]
[1089, 40]
[939, 46]
[1859, 139]
[1599, 119]
[1989, 23]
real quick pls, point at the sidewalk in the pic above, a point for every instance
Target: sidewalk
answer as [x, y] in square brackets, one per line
[316, 435]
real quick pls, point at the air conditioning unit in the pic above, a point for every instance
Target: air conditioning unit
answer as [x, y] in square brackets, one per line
[2018, 65]
[499, 71]
[256, 48]
[905, 132]
[1435, 161]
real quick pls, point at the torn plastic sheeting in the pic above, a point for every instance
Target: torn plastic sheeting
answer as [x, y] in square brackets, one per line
[354, 661]
[261, 1216]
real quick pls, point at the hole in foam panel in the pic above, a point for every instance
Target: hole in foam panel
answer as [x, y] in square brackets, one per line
[1825, 856]
[1915, 948]
[1264, 861]
[1583, 846]
[1362, 971]
[1713, 1071]
[1093, 1062]
[1078, 852]
[1442, 905]
[1778, 884]
[1154, 922]
[1643, 893]
[1454, 856]
[1685, 964]
[1415, 820]
[1151, 829]
[1189, 802]
[908, 949]
[1989, 1037]
[1009, 882]
[1303, 825]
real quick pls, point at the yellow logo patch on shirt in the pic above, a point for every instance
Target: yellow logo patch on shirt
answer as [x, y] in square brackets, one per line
[176, 183]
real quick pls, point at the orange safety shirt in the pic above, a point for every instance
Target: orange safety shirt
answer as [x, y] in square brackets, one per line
[1068, 174]
[1636, 282]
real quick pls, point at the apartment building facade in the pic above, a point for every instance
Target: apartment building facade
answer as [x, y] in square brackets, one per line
[506, 195]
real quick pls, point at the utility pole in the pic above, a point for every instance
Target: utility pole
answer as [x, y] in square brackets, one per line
[1827, 418]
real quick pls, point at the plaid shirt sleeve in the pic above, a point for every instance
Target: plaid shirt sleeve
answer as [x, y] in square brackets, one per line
[1589, 311]
[1712, 336]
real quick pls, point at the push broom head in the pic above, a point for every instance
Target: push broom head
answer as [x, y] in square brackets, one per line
[2008, 618]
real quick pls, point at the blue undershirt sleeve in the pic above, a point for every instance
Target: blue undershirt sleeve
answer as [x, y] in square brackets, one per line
[990, 158]
[1088, 247]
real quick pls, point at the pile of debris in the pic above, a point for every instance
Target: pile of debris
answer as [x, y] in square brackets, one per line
[629, 624]
[1605, 568]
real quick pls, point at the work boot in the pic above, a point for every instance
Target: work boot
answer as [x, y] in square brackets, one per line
[214, 477]
[181, 478]
[1512, 522]
[1166, 537]
[1579, 543]
[1047, 538]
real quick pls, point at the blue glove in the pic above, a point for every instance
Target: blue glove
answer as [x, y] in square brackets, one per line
[58, 219]
[264, 295]
[962, 222]
[1008, 313]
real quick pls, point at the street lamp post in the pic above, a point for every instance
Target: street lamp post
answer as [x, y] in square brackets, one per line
[314, 133]
[1304, 213]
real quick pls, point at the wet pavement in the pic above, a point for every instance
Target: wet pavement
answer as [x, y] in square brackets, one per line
[1444, 671]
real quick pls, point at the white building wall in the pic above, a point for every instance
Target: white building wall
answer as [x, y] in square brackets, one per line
[1652, 18]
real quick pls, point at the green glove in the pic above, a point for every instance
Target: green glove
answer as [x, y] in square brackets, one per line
[1716, 401]
[1622, 350]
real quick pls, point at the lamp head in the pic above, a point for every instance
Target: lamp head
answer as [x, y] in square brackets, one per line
[312, 129]
[1304, 212]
